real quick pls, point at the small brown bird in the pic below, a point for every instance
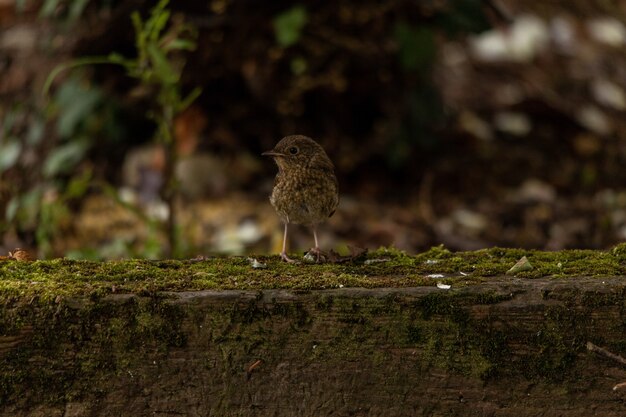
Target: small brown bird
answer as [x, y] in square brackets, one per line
[305, 189]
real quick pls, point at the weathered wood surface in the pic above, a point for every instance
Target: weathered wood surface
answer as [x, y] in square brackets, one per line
[506, 347]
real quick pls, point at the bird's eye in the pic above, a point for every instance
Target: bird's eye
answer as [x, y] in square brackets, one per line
[293, 150]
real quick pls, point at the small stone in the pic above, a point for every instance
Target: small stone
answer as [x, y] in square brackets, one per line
[607, 30]
[609, 94]
[254, 263]
[513, 123]
[594, 119]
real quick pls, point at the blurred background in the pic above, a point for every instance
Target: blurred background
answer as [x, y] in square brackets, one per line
[470, 123]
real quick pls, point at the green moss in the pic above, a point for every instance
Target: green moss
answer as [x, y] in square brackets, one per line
[385, 267]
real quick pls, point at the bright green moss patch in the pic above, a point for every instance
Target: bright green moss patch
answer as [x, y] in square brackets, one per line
[49, 280]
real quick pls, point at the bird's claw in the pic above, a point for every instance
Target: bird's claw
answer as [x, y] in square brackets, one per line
[287, 259]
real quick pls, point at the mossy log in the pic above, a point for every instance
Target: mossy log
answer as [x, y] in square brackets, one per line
[102, 339]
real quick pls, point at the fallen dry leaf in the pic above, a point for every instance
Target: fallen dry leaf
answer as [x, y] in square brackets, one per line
[20, 255]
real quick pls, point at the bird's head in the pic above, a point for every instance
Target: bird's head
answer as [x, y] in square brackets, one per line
[298, 151]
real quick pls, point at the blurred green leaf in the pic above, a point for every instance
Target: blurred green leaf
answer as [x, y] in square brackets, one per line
[162, 66]
[116, 58]
[64, 158]
[140, 35]
[180, 44]
[298, 65]
[191, 97]
[12, 208]
[10, 118]
[9, 154]
[76, 8]
[48, 8]
[416, 46]
[152, 247]
[53, 211]
[155, 24]
[289, 24]
[35, 131]
[24, 208]
[75, 104]
[79, 185]
[89, 60]
[20, 5]
[118, 248]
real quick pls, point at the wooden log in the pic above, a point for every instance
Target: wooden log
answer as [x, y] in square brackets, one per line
[504, 347]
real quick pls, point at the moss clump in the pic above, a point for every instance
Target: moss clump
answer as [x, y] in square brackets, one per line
[48, 281]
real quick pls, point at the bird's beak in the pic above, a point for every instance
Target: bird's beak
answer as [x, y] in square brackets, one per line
[272, 153]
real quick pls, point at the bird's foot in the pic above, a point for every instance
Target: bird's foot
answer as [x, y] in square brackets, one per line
[284, 257]
[316, 255]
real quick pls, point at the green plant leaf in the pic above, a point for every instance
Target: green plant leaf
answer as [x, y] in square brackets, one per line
[117, 58]
[24, 208]
[191, 97]
[48, 8]
[159, 16]
[289, 24]
[140, 35]
[156, 24]
[78, 185]
[162, 66]
[64, 158]
[9, 154]
[75, 104]
[90, 60]
[20, 5]
[35, 131]
[179, 44]
[12, 207]
[76, 8]
[10, 117]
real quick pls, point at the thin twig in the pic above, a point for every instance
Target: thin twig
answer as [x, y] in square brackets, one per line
[619, 387]
[594, 348]
[254, 365]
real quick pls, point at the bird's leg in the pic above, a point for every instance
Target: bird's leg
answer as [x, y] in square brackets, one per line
[317, 245]
[316, 250]
[283, 254]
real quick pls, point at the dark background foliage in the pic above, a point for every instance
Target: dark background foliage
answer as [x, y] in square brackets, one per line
[464, 122]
